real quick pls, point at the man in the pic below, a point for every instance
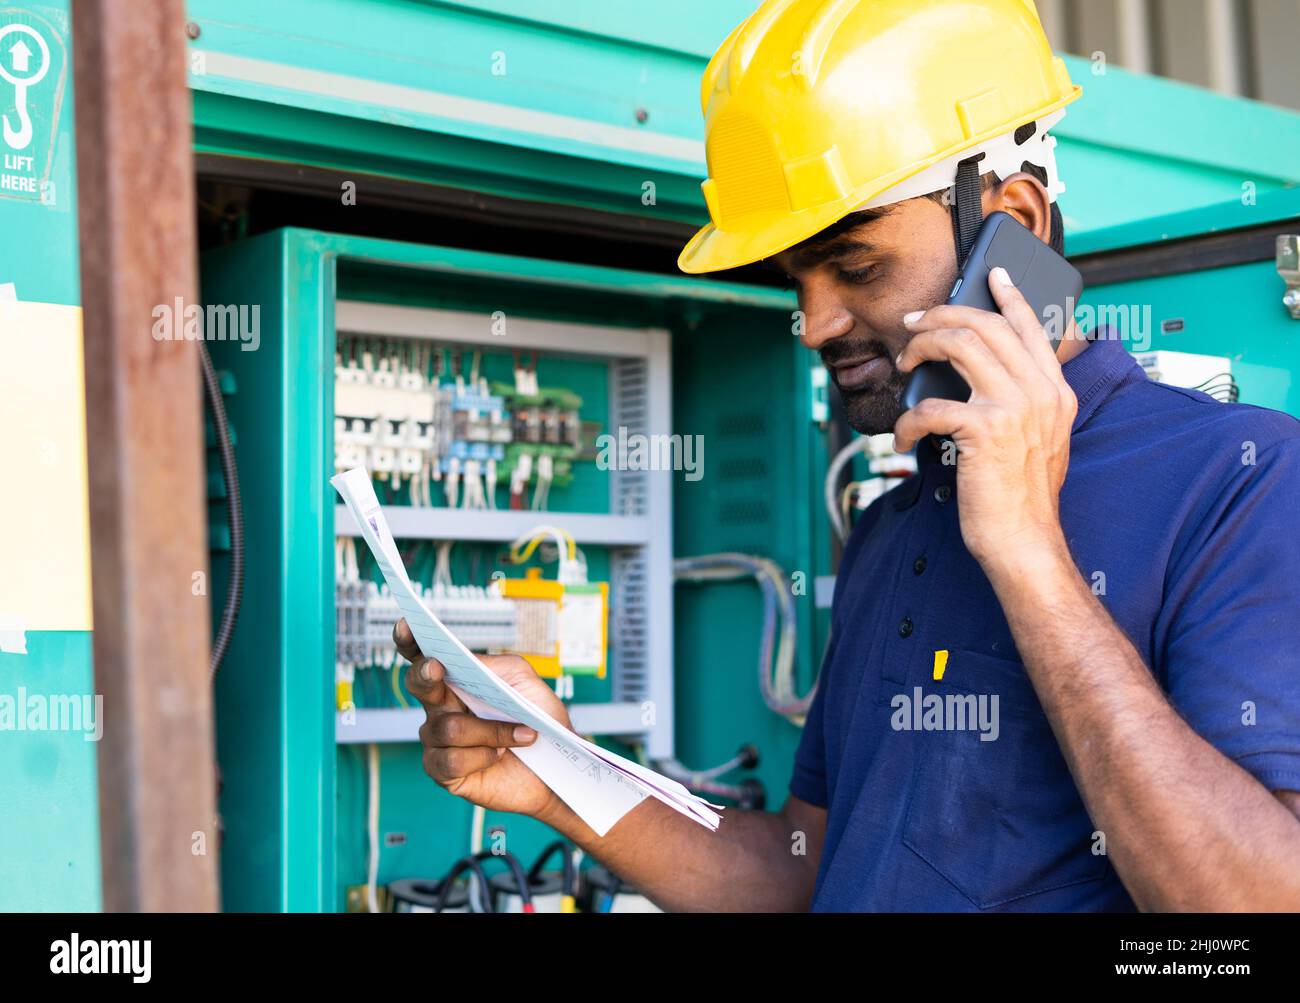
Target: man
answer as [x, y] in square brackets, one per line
[1113, 566]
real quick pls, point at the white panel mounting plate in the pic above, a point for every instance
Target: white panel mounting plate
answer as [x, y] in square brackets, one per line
[638, 526]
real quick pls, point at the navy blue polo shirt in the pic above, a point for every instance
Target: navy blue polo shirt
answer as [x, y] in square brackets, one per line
[1183, 514]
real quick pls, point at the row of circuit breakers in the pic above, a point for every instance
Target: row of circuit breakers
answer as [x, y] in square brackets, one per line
[424, 422]
[560, 627]
[416, 414]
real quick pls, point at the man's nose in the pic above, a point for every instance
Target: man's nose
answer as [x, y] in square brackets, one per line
[825, 315]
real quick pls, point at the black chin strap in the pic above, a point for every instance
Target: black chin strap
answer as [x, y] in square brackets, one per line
[967, 207]
[967, 217]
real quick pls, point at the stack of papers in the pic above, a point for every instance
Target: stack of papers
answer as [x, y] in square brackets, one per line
[600, 786]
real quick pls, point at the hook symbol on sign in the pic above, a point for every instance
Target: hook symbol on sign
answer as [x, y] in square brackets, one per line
[19, 54]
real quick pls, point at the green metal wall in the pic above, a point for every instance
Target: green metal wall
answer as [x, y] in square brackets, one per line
[583, 102]
[49, 832]
[1230, 310]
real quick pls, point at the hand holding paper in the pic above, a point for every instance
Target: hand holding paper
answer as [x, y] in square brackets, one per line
[465, 754]
[600, 786]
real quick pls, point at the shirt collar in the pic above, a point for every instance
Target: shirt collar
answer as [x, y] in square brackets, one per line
[1094, 375]
[1098, 371]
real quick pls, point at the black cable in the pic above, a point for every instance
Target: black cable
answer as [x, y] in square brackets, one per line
[1223, 387]
[569, 886]
[230, 473]
[465, 864]
[511, 861]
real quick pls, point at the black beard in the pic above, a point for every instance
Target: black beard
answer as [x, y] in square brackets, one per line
[872, 409]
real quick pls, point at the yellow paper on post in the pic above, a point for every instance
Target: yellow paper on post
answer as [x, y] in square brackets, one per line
[44, 512]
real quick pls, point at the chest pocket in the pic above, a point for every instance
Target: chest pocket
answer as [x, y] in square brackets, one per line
[1000, 820]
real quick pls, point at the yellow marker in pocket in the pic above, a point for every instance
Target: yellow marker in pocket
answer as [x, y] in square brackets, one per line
[940, 663]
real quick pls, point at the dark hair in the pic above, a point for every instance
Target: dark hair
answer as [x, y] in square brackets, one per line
[1056, 236]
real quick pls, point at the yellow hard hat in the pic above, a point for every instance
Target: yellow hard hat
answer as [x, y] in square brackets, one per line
[815, 107]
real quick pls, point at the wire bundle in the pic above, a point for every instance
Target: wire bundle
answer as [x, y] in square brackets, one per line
[1222, 388]
[573, 563]
[776, 656]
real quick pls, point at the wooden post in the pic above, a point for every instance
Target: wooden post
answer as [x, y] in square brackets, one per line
[145, 438]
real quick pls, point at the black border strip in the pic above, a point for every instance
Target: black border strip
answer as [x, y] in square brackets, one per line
[622, 240]
[442, 200]
[1189, 254]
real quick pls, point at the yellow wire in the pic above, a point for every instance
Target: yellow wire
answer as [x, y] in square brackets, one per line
[847, 499]
[397, 688]
[518, 557]
[846, 502]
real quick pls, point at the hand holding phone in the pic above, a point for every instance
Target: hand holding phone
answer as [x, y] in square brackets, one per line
[1049, 283]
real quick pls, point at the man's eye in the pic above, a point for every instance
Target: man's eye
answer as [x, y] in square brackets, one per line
[857, 276]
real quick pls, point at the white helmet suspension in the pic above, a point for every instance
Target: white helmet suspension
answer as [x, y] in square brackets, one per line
[1002, 155]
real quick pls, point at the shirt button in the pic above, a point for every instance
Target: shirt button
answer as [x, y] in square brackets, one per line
[905, 627]
[942, 493]
[918, 566]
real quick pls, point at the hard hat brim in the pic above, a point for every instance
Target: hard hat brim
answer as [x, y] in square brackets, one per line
[713, 249]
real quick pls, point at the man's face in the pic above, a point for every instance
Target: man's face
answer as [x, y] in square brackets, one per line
[854, 291]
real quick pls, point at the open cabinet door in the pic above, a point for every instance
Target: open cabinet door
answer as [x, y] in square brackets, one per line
[274, 699]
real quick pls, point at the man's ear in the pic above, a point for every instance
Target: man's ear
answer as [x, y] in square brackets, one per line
[1025, 198]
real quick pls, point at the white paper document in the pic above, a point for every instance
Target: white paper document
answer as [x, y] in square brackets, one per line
[600, 786]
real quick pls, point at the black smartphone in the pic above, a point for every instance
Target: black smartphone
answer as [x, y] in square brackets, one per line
[1049, 283]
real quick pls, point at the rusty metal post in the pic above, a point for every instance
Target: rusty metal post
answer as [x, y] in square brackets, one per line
[145, 442]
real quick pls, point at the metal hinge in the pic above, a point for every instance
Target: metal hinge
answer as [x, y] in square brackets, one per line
[1288, 266]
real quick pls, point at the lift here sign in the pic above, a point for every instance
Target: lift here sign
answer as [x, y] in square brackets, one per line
[33, 71]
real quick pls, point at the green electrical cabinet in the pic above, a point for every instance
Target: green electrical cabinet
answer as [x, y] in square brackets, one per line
[293, 804]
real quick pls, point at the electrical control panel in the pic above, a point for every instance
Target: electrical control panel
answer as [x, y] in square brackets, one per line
[535, 431]
[493, 443]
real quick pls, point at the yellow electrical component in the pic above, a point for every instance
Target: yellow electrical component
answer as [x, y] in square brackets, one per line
[561, 630]
[343, 694]
[814, 107]
[537, 637]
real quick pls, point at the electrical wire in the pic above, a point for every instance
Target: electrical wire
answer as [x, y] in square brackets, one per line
[842, 458]
[478, 822]
[847, 497]
[1222, 387]
[442, 567]
[396, 678]
[573, 566]
[235, 507]
[465, 864]
[569, 880]
[615, 887]
[703, 782]
[776, 656]
[522, 884]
